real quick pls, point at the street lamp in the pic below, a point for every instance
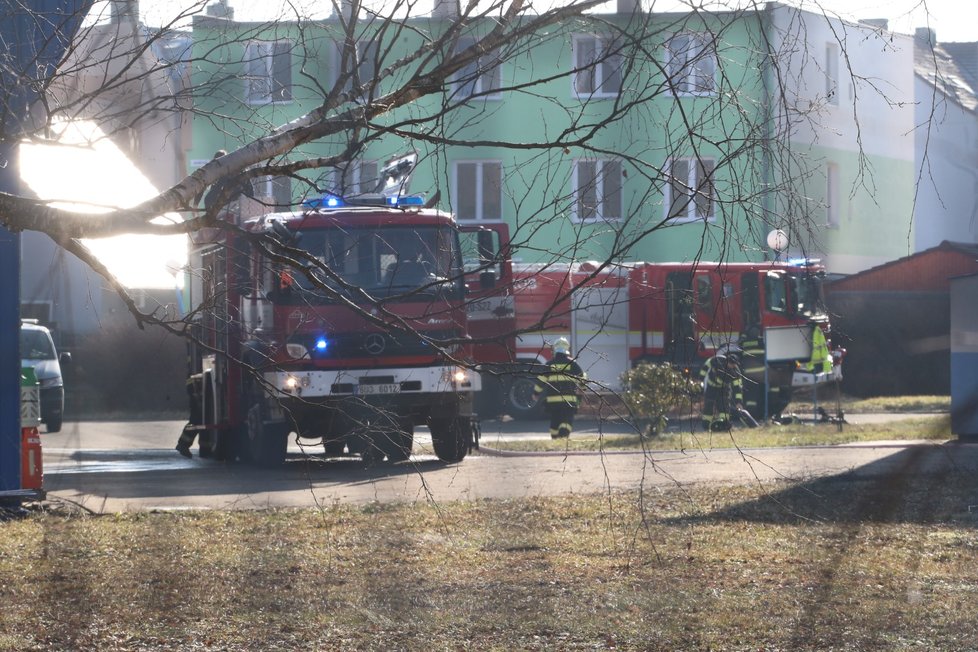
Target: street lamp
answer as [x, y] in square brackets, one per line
[777, 241]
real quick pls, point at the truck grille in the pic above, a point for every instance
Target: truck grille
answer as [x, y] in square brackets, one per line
[369, 345]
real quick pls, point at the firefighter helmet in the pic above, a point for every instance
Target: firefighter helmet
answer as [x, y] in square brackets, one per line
[561, 345]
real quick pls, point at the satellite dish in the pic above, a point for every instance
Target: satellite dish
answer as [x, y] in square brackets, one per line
[777, 240]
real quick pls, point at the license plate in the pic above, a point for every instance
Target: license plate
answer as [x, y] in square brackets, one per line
[393, 388]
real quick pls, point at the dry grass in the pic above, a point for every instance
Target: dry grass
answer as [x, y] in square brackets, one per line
[688, 435]
[803, 399]
[832, 564]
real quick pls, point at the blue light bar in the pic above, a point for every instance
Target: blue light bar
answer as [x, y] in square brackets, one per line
[406, 200]
[326, 201]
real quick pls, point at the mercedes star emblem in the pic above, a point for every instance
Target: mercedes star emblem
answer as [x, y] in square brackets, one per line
[374, 344]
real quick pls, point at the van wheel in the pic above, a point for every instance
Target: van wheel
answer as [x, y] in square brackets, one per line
[54, 425]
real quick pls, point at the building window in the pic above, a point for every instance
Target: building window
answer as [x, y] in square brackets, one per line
[832, 73]
[268, 72]
[361, 71]
[597, 189]
[275, 192]
[359, 177]
[597, 67]
[481, 78]
[691, 190]
[832, 195]
[478, 190]
[691, 64]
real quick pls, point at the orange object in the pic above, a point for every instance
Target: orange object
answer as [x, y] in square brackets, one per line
[31, 466]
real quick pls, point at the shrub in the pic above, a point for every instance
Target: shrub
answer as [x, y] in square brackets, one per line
[654, 390]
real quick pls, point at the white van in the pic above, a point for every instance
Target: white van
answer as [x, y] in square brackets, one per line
[37, 351]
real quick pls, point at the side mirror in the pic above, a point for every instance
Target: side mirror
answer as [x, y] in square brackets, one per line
[64, 358]
[487, 280]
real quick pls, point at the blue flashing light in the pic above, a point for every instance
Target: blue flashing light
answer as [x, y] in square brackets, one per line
[322, 344]
[406, 200]
[326, 201]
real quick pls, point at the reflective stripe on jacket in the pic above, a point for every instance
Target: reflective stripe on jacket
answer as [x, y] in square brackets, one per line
[715, 378]
[561, 382]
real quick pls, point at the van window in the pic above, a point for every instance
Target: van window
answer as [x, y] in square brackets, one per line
[35, 345]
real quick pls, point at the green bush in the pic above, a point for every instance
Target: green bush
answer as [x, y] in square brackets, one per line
[654, 390]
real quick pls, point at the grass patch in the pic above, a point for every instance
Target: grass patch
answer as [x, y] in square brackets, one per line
[803, 399]
[933, 428]
[838, 564]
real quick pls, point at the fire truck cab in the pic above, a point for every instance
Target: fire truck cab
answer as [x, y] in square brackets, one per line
[345, 324]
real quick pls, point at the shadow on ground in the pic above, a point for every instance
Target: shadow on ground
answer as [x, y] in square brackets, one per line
[916, 485]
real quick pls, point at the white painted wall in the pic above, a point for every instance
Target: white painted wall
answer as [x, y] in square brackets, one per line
[946, 166]
[875, 106]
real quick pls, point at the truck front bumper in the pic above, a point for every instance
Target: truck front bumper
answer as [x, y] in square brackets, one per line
[372, 383]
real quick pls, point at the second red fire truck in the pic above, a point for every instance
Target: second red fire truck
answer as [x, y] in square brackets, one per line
[679, 313]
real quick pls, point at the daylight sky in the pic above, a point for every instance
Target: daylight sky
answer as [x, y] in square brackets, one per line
[954, 20]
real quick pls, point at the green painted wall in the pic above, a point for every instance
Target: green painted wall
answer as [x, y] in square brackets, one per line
[538, 183]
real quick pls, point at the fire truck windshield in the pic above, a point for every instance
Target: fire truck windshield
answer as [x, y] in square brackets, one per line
[807, 294]
[383, 261]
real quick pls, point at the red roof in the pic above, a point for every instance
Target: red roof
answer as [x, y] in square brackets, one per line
[926, 271]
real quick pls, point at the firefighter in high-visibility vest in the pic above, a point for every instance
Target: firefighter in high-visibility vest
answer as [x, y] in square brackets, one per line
[821, 360]
[560, 386]
[723, 391]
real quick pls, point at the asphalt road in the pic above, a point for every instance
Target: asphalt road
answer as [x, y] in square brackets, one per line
[131, 466]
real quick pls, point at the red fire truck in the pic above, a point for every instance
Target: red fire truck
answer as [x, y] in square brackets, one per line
[679, 313]
[345, 324]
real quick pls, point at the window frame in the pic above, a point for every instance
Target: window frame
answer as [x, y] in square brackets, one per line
[266, 186]
[348, 182]
[480, 189]
[832, 195]
[690, 213]
[832, 73]
[683, 78]
[601, 43]
[601, 197]
[267, 53]
[367, 57]
[479, 86]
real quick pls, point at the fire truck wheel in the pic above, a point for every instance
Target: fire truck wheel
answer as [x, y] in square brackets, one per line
[333, 447]
[266, 445]
[519, 399]
[450, 439]
[397, 444]
[489, 400]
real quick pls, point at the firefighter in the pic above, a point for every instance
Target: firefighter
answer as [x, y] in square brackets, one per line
[723, 391]
[821, 360]
[560, 385]
[752, 368]
[189, 433]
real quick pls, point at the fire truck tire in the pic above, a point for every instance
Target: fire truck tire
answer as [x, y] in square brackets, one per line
[489, 400]
[450, 438]
[397, 444]
[267, 445]
[519, 401]
[211, 443]
[333, 447]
